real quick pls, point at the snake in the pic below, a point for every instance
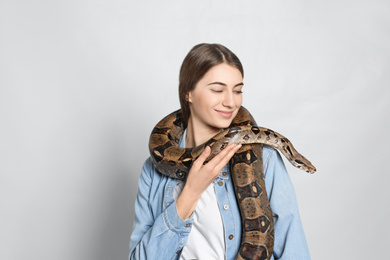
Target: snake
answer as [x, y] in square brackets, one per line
[246, 165]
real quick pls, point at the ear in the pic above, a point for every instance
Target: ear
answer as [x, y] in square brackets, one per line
[189, 97]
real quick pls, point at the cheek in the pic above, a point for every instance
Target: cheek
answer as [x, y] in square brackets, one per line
[238, 100]
[200, 103]
[207, 100]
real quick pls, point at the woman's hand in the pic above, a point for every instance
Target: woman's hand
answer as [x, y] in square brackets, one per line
[200, 177]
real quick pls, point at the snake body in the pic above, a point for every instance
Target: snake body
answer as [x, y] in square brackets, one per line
[246, 168]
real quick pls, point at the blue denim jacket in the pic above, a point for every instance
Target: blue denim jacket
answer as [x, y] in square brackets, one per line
[159, 232]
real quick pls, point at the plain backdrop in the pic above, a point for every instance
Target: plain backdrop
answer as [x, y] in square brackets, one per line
[82, 83]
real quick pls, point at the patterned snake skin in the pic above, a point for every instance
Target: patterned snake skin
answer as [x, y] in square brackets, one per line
[246, 167]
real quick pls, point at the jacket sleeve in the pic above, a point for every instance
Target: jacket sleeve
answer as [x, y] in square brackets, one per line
[158, 233]
[290, 241]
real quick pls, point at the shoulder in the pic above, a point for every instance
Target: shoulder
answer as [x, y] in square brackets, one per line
[268, 151]
[270, 156]
[149, 173]
[276, 176]
[147, 168]
[151, 177]
[273, 163]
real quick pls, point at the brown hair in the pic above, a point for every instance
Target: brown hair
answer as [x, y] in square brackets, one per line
[198, 61]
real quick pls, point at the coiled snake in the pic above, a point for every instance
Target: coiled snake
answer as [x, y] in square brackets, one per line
[246, 167]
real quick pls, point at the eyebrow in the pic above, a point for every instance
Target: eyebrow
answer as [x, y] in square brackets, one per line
[223, 84]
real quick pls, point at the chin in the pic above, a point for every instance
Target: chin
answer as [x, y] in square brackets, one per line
[223, 125]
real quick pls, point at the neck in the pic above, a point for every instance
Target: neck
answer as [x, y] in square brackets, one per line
[197, 135]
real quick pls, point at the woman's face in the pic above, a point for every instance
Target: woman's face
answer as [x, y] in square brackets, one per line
[216, 98]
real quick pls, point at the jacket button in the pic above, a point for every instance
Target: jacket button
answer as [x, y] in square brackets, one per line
[188, 225]
[231, 236]
[220, 183]
[224, 173]
[225, 207]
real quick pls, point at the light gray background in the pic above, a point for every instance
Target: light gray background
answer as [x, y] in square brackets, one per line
[82, 83]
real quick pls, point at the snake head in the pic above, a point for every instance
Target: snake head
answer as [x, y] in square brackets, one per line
[311, 169]
[305, 164]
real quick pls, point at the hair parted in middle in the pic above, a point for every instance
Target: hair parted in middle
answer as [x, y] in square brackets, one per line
[198, 61]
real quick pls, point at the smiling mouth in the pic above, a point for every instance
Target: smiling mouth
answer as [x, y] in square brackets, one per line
[225, 114]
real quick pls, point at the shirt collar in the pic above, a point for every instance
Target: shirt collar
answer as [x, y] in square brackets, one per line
[182, 141]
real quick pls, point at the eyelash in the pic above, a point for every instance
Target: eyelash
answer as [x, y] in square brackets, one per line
[220, 91]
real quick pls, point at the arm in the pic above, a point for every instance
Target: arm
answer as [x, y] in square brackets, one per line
[164, 236]
[290, 242]
[157, 233]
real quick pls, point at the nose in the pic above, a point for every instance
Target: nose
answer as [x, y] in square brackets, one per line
[228, 100]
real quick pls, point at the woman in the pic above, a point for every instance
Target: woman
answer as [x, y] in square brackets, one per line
[199, 218]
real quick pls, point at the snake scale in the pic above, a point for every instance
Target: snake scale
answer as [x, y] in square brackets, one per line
[246, 167]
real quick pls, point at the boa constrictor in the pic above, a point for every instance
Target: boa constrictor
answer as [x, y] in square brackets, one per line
[246, 167]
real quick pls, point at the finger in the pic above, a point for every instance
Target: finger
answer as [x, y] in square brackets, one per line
[219, 157]
[226, 158]
[203, 156]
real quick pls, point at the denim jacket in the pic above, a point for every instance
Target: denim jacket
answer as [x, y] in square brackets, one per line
[160, 233]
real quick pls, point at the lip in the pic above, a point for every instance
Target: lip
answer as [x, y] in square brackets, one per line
[225, 114]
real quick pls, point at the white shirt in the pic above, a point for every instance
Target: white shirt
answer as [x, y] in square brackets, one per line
[206, 239]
